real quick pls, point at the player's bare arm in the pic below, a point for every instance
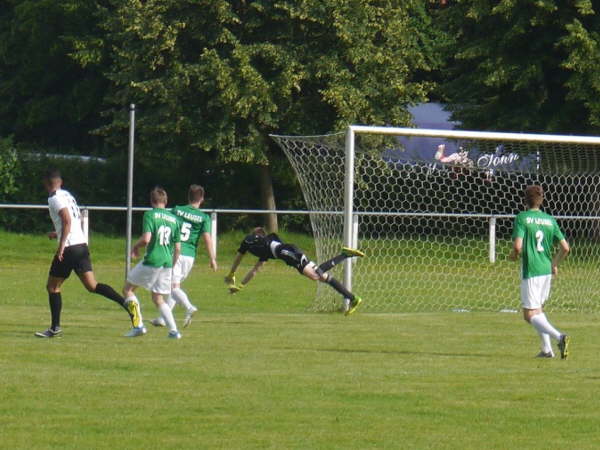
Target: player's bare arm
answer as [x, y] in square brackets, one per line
[517, 249]
[142, 242]
[177, 252]
[563, 251]
[249, 276]
[230, 278]
[65, 219]
[208, 243]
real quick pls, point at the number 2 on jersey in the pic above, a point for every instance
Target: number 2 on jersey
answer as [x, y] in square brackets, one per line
[164, 235]
[539, 237]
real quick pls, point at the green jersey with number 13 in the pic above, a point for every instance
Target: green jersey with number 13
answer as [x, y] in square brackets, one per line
[193, 224]
[539, 232]
[164, 227]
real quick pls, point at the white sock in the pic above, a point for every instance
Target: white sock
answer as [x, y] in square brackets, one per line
[181, 297]
[546, 344]
[171, 302]
[540, 322]
[133, 298]
[167, 316]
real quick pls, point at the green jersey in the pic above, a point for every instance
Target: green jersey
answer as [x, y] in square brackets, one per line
[164, 227]
[193, 224]
[539, 232]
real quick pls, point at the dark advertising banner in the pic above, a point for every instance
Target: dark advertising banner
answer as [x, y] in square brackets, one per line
[440, 152]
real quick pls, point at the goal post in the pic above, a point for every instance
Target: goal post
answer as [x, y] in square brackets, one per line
[350, 221]
[433, 210]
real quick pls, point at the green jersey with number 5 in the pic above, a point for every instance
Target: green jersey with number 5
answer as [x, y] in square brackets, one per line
[539, 232]
[193, 224]
[164, 227]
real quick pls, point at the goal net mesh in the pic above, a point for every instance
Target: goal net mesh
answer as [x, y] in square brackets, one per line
[424, 219]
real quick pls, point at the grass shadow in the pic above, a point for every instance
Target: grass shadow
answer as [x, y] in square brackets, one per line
[388, 352]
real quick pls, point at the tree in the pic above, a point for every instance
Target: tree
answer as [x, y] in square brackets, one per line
[582, 45]
[523, 65]
[47, 98]
[9, 168]
[218, 76]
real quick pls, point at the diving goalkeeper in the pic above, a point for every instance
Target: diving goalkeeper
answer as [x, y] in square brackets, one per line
[270, 246]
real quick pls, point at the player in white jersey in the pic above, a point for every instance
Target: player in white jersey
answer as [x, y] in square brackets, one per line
[72, 254]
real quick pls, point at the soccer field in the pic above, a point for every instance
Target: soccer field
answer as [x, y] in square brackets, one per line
[257, 371]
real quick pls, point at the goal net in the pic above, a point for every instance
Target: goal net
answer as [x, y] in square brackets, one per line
[433, 210]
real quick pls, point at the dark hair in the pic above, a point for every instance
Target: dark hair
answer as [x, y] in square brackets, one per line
[534, 196]
[260, 231]
[195, 193]
[158, 195]
[52, 174]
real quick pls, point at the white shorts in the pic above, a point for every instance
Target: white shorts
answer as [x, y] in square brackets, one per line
[182, 268]
[535, 291]
[155, 279]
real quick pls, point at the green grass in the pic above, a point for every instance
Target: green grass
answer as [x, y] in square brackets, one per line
[257, 371]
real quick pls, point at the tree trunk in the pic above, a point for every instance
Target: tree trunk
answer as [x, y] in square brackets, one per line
[267, 197]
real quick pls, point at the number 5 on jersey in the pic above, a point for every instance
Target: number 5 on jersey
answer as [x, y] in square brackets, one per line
[186, 229]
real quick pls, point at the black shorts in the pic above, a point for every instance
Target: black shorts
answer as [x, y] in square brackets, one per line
[293, 256]
[75, 257]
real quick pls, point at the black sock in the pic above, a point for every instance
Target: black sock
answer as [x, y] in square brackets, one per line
[55, 301]
[340, 288]
[108, 292]
[328, 265]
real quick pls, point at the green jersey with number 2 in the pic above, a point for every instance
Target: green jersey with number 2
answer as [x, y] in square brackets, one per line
[193, 224]
[539, 232]
[164, 227]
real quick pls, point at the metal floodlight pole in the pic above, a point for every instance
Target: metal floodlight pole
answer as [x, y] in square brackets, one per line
[349, 203]
[130, 186]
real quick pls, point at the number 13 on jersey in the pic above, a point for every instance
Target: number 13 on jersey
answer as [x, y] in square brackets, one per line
[164, 235]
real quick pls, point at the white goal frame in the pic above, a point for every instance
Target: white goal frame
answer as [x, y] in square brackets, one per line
[351, 216]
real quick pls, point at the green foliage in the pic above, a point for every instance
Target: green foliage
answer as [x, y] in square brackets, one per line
[47, 97]
[221, 75]
[9, 168]
[583, 46]
[211, 80]
[523, 65]
[91, 182]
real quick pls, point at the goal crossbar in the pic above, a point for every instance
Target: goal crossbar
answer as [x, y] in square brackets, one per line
[481, 135]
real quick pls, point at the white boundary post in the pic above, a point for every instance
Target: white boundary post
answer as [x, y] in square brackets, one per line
[355, 224]
[85, 224]
[348, 204]
[492, 228]
[213, 230]
[130, 187]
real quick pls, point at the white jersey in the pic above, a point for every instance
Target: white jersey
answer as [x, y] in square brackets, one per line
[63, 199]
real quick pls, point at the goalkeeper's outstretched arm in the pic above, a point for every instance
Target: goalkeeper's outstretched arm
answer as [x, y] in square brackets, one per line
[252, 272]
[233, 288]
[230, 278]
